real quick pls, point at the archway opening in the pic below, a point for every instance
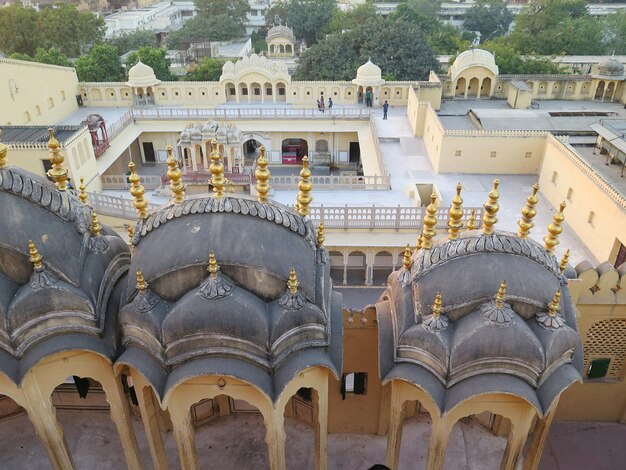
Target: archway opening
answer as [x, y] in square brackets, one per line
[230, 433]
[336, 267]
[609, 91]
[599, 90]
[356, 270]
[383, 265]
[256, 92]
[230, 91]
[20, 447]
[472, 89]
[293, 151]
[282, 92]
[251, 151]
[300, 422]
[477, 439]
[485, 88]
[460, 87]
[416, 430]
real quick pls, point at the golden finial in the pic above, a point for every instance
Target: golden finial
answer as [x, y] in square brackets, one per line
[437, 306]
[418, 245]
[175, 176]
[4, 161]
[213, 266]
[321, 237]
[58, 172]
[262, 175]
[131, 231]
[292, 282]
[82, 194]
[471, 223]
[554, 230]
[528, 214]
[231, 186]
[406, 259]
[137, 191]
[430, 222]
[304, 185]
[564, 260]
[217, 170]
[491, 209]
[142, 285]
[553, 307]
[501, 295]
[95, 226]
[455, 223]
[35, 257]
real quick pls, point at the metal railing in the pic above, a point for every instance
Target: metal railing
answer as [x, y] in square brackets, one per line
[374, 217]
[334, 182]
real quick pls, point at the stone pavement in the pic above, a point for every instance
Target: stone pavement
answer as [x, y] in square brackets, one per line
[238, 442]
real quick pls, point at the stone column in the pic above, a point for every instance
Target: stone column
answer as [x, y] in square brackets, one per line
[183, 433]
[120, 415]
[345, 271]
[321, 425]
[394, 432]
[439, 435]
[274, 92]
[151, 424]
[538, 439]
[275, 437]
[517, 439]
[42, 414]
[194, 165]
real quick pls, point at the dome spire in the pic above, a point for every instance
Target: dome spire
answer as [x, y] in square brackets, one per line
[528, 214]
[137, 191]
[213, 267]
[471, 223]
[497, 311]
[551, 319]
[142, 285]
[262, 175]
[58, 172]
[436, 321]
[304, 186]
[175, 176]
[95, 226]
[292, 282]
[553, 306]
[82, 194]
[217, 170]
[437, 306]
[430, 222]
[501, 295]
[564, 260]
[4, 161]
[321, 236]
[554, 230]
[455, 223]
[491, 209]
[35, 257]
[406, 258]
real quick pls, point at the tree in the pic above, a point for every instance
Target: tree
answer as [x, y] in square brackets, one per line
[278, 13]
[208, 70]
[309, 19]
[21, 56]
[51, 56]
[510, 61]
[345, 20]
[18, 30]
[216, 28]
[102, 64]
[127, 42]
[489, 17]
[425, 7]
[396, 46]
[236, 9]
[70, 31]
[615, 32]
[155, 58]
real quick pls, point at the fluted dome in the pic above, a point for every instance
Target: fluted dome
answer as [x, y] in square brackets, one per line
[141, 75]
[459, 330]
[473, 58]
[368, 74]
[280, 31]
[610, 68]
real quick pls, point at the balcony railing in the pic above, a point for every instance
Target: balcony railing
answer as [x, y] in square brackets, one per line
[244, 112]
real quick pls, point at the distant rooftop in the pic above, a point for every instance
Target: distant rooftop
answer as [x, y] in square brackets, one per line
[36, 134]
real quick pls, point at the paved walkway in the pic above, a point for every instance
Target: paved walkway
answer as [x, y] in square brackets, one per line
[222, 445]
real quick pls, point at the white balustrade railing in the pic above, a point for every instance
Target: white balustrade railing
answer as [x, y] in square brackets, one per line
[243, 112]
[121, 181]
[334, 182]
[374, 217]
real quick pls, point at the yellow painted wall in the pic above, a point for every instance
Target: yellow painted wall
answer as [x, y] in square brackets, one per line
[27, 98]
[608, 222]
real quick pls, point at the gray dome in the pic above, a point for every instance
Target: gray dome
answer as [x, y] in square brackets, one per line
[610, 67]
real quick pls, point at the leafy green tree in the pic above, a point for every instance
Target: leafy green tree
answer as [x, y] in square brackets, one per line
[310, 19]
[127, 42]
[216, 28]
[51, 56]
[208, 70]
[489, 17]
[615, 32]
[21, 56]
[424, 7]
[396, 46]
[510, 61]
[278, 13]
[18, 30]
[69, 30]
[236, 9]
[345, 20]
[155, 58]
[102, 64]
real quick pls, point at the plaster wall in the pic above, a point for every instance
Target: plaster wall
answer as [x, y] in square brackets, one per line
[591, 211]
[28, 99]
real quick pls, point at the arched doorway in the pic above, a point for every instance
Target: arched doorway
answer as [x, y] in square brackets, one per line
[230, 92]
[20, 448]
[256, 92]
[485, 89]
[293, 150]
[383, 265]
[336, 267]
[356, 269]
[609, 91]
[251, 151]
[282, 92]
[460, 88]
[599, 90]
[472, 89]
[416, 429]
[300, 419]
